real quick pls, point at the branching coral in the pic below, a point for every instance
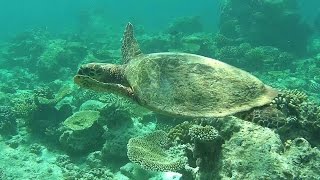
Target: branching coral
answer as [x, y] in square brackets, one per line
[203, 133]
[23, 105]
[302, 115]
[289, 101]
[151, 153]
[288, 105]
[180, 132]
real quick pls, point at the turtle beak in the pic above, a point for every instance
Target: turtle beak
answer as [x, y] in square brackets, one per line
[77, 79]
[80, 71]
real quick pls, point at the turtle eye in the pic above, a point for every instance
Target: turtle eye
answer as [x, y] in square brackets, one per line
[83, 70]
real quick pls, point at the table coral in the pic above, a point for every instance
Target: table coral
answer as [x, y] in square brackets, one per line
[82, 120]
[150, 152]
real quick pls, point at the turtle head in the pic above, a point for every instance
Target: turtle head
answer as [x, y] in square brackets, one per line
[93, 74]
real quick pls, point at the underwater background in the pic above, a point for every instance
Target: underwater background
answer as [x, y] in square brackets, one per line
[50, 128]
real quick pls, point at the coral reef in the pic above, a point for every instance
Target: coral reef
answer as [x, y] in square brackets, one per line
[43, 116]
[59, 54]
[83, 132]
[289, 101]
[8, 123]
[24, 48]
[157, 43]
[71, 171]
[249, 20]
[135, 172]
[82, 120]
[295, 103]
[20, 163]
[234, 153]
[299, 151]
[185, 25]
[180, 133]
[291, 114]
[40, 110]
[240, 154]
[268, 116]
[206, 148]
[253, 58]
[150, 152]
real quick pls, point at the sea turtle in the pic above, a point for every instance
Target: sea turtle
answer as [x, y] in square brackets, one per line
[176, 84]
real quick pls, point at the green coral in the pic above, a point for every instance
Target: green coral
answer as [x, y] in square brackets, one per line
[151, 153]
[82, 120]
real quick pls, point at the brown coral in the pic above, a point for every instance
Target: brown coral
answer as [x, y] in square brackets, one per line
[289, 101]
[203, 133]
[268, 116]
[180, 132]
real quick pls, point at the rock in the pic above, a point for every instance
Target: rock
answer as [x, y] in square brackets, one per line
[83, 132]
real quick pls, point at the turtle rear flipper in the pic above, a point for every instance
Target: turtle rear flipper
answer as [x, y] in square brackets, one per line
[130, 47]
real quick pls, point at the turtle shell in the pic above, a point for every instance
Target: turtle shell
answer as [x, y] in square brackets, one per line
[190, 85]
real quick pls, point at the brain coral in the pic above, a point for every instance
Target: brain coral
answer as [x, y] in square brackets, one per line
[150, 152]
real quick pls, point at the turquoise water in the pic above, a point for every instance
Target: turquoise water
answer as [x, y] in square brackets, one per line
[61, 16]
[234, 96]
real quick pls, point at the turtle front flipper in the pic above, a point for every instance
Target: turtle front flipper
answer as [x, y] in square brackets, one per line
[130, 47]
[90, 83]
